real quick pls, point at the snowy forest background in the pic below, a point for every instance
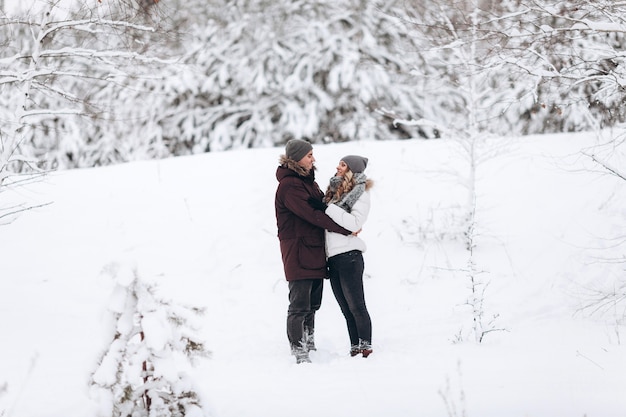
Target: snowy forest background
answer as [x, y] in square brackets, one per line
[89, 83]
[93, 82]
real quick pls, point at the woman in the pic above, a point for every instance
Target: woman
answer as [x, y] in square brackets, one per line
[347, 202]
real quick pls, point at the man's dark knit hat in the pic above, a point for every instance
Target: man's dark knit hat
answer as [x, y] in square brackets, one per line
[356, 163]
[297, 149]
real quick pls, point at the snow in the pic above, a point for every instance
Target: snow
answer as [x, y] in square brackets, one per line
[202, 230]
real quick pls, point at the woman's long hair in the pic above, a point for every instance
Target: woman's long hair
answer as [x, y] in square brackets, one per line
[335, 193]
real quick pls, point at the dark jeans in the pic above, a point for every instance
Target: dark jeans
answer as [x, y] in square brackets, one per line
[305, 298]
[346, 280]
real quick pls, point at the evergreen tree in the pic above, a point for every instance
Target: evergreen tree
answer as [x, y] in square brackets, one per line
[144, 371]
[261, 72]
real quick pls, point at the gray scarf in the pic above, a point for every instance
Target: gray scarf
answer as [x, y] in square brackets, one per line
[348, 199]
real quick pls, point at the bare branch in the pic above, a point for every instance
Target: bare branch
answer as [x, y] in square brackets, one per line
[13, 211]
[607, 166]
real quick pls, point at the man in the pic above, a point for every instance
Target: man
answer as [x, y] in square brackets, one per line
[301, 235]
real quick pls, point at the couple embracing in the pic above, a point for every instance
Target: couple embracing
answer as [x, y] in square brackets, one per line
[318, 234]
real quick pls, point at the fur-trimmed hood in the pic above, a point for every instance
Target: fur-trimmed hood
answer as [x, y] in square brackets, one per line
[288, 164]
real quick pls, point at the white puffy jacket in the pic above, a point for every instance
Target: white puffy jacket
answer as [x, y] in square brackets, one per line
[353, 221]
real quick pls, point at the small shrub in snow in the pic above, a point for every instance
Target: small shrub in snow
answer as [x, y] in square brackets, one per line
[143, 373]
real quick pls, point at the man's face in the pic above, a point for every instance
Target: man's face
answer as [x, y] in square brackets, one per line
[307, 161]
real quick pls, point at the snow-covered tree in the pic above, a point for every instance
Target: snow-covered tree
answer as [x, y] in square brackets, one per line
[145, 370]
[253, 74]
[264, 71]
[459, 67]
[63, 65]
[573, 50]
[537, 66]
[500, 68]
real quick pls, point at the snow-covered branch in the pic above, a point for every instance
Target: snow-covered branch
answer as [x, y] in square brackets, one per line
[110, 54]
[86, 26]
[411, 122]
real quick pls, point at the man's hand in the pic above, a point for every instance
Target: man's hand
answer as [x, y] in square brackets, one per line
[317, 204]
[357, 232]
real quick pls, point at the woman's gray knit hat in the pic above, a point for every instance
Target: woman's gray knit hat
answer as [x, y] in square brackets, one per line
[356, 163]
[297, 149]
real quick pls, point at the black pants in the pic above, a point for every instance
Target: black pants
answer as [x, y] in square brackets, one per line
[346, 280]
[305, 298]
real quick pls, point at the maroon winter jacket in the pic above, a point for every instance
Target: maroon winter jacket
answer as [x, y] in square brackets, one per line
[300, 227]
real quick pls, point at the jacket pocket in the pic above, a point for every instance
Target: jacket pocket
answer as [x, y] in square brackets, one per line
[312, 253]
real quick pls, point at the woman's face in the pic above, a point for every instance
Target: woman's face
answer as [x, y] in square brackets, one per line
[342, 168]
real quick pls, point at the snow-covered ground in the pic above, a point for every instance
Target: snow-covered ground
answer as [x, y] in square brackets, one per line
[203, 230]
